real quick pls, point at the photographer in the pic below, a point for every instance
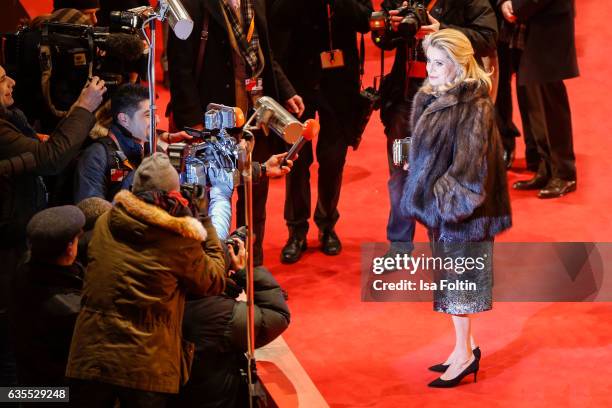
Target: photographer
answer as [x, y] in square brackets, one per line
[474, 18]
[217, 326]
[21, 196]
[233, 65]
[319, 53]
[145, 255]
[107, 165]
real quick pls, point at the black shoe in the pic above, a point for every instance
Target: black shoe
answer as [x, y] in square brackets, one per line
[537, 182]
[508, 157]
[293, 249]
[330, 243]
[440, 368]
[471, 369]
[557, 188]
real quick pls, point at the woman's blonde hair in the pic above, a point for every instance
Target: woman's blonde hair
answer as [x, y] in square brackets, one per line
[459, 49]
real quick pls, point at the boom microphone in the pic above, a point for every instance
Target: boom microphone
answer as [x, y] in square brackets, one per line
[127, 47]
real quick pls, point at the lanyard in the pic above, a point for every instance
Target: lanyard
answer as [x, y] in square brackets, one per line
[431, 5]
[125, 162]
[329, 26]
[251, 30]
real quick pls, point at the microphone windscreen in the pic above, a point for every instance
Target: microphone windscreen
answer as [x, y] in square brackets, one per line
[124, 46]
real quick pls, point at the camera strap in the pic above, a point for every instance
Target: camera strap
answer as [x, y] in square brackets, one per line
[202, 49]
[332, 58]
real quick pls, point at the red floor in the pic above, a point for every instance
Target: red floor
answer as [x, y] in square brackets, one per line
[534, 354]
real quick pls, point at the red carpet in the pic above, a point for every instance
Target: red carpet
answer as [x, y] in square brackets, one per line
[534, 354]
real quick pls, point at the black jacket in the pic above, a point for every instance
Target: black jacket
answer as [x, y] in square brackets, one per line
[474, 18]
[456, 182]
[188, 98]
[44, 306]
[550, 47]
[302, 33]
[217, 326]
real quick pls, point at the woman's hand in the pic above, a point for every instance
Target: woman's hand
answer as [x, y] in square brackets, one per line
[508, 11]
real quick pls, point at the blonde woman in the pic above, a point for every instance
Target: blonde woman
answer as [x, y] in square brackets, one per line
[456, 185]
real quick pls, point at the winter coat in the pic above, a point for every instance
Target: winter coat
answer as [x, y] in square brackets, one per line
[142, 261]
[457, 182]
[217, 325]
[45, 302]
[550, 46]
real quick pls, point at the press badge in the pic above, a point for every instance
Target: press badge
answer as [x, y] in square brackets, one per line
[332, 59]
[253, 85]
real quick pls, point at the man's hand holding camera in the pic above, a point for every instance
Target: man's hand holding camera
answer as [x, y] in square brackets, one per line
[396, 19]
[91, 95]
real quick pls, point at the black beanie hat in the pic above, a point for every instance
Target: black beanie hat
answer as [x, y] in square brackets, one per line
[76, 4]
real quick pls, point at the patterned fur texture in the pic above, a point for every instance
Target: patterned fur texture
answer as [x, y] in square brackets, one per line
[187, 227]
[457, 180]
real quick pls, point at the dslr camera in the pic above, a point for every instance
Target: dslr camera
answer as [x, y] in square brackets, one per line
[414, 15]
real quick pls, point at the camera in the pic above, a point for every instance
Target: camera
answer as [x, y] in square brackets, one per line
[240, 233]
[414, 16]
[52, 63]
[213, 149]
[401, 151]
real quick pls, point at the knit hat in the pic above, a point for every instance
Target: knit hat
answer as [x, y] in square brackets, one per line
[76, 4]
[50, 230]
[156, 173]
[92, 208]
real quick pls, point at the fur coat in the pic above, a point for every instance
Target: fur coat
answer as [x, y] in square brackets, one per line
[142, 261]
[457, 180]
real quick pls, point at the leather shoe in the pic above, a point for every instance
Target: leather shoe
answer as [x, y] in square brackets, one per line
[293, 249]
[330, 243]
[508, 158]
[557, 188]
[537, 182]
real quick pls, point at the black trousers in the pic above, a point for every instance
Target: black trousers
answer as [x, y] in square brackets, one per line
[331, 154]
[546, 114]
[94, 394]
[264, 148]
[503, 103]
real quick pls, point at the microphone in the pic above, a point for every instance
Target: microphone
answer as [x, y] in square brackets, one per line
[273, 116]
[17, 165]
[311, 131]
[178, 18]
[128, 47]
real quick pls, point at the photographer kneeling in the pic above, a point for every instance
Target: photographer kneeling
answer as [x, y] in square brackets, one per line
[146, 253]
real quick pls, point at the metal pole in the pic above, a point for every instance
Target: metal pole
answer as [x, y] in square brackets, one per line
[250, 287]
[151, 74]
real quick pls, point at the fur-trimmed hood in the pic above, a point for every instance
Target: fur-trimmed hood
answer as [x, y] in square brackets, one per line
[151, 215]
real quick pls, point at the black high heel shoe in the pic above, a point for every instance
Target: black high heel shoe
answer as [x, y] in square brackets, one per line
[471, 369]
[440, 368]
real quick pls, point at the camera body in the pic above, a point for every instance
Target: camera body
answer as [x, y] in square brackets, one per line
[52, 63]
[414, 15]
[213, 149]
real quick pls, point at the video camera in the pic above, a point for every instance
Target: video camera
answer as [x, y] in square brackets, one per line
[414, 16]
[52, 63]
[214, 149]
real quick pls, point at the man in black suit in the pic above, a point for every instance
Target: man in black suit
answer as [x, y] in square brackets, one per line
[326, 72]
[548, 57]
[236, 60]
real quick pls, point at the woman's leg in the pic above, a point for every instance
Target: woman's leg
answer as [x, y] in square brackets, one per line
[462, 354]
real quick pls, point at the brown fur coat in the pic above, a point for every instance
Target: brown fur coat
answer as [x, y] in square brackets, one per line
[457, 181]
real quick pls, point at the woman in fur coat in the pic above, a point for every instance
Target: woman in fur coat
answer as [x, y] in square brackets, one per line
[457, 185]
